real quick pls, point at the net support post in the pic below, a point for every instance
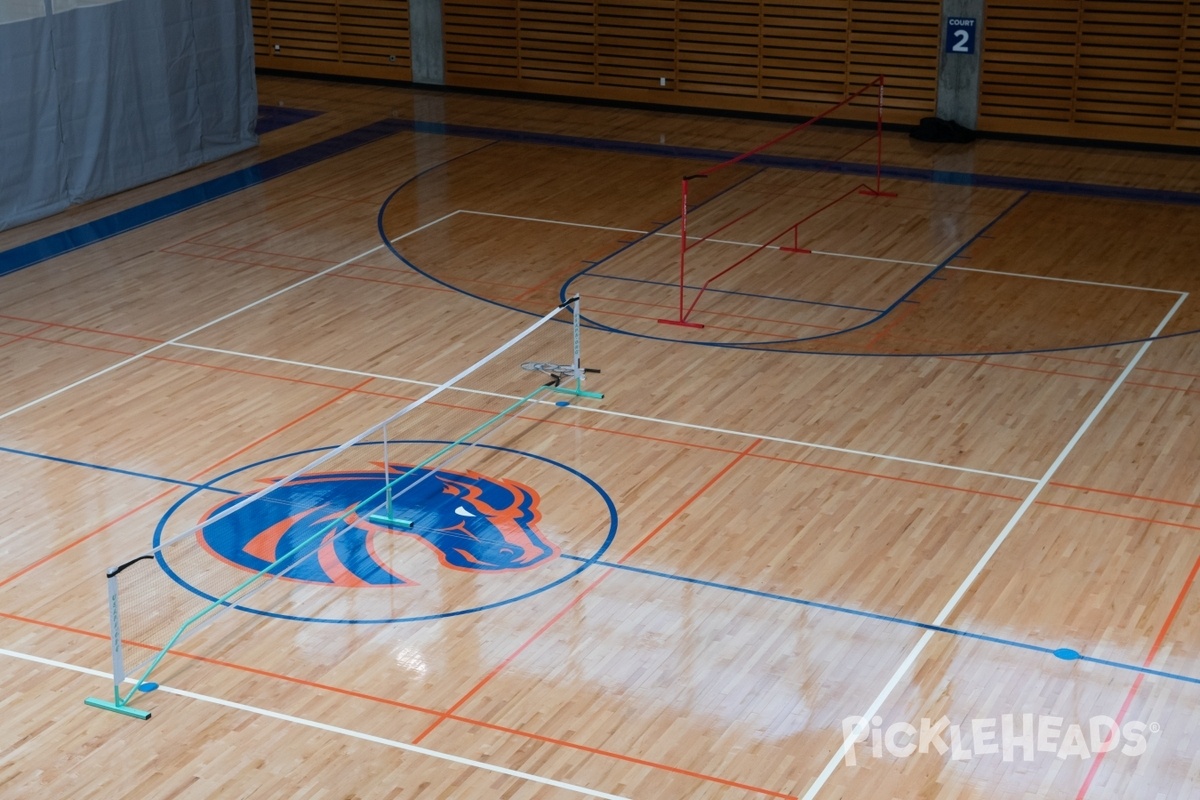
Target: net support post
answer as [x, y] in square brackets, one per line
[878, 190]
[117, 704]
[577, 367]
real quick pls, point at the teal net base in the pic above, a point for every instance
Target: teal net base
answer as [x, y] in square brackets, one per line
[390, 521]
[120, 708]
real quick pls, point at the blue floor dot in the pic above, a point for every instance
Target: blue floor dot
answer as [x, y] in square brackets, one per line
[148, 687]
[1067, 654]
[562, 403]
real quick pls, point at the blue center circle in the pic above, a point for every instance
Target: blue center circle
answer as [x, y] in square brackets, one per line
[583, 561]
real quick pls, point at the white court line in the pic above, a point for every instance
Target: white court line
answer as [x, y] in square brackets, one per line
[1067, 280]
[676, 236]
[622, 415]
[984, 559]
[550, 221]
[207, 325]
[828, 253]
[321, 726]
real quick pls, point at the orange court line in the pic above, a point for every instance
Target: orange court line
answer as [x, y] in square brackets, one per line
[405, 270]
[1150, 520]
[186, 363]
[645, 437]
[25, 336]
[668, 306]
[579, 597]
[1125, 494]
[302, 271]
[669, 441]
[887, 329]
[302, 223]
[69, 545]
[407, 706]
[661, 440]
[374, 203]
[78, 328]
[167, 249]
[595, 311]
[978, 362]
[158, 497]
[866, 474]
[1137, 683]
[281, 428]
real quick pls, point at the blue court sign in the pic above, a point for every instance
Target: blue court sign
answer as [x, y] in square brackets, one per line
[960, 35]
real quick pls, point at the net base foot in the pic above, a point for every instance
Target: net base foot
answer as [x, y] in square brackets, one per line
[108, 705]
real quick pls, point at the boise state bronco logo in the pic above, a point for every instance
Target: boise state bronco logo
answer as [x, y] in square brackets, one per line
[314, 529]
[452, 542]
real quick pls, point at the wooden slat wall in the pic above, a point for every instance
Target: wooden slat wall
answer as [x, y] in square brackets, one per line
[755, 55]
[358, 38]
[635, 43]
[1093, 69]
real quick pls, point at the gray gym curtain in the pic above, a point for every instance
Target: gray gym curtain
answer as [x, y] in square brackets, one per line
[97, 96]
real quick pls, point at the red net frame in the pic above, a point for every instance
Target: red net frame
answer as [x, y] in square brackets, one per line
[685, 311]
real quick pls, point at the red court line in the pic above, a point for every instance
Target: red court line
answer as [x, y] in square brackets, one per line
[78, 328]
[56, 553]
[978, 361]
[167, 249]
[345, 393]
[579, 597]
[595, 311]
[158, 497]
[374, 203]
[790, 323]
[865, 474]
[196, 364]
[302, 223]
[645, 437]
[25, 336]
[406, 706]
[887, 329]
[1150, 520]
[315, 272]
[1137, 683]
[1125, 494]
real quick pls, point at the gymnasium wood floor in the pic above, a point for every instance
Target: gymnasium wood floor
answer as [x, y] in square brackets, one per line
[870, 500]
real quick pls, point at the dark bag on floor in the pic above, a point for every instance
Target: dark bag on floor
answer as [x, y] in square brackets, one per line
[935, 129]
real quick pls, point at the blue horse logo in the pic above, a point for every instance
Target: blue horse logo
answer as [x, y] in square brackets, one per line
[313, 529]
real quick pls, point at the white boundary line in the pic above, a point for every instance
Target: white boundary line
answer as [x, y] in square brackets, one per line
[1066, 280]
[623, 415]
[218, 320]
[831, 253]
[321, 726]
[968, 581]
[676, 236]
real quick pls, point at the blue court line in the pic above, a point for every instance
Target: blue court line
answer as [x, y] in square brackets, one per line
[792, 162]
[727, 291]
[117, 470]
[151, 211]
[272, 118]
[682, 579]
[88, 233]
[885, 618]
